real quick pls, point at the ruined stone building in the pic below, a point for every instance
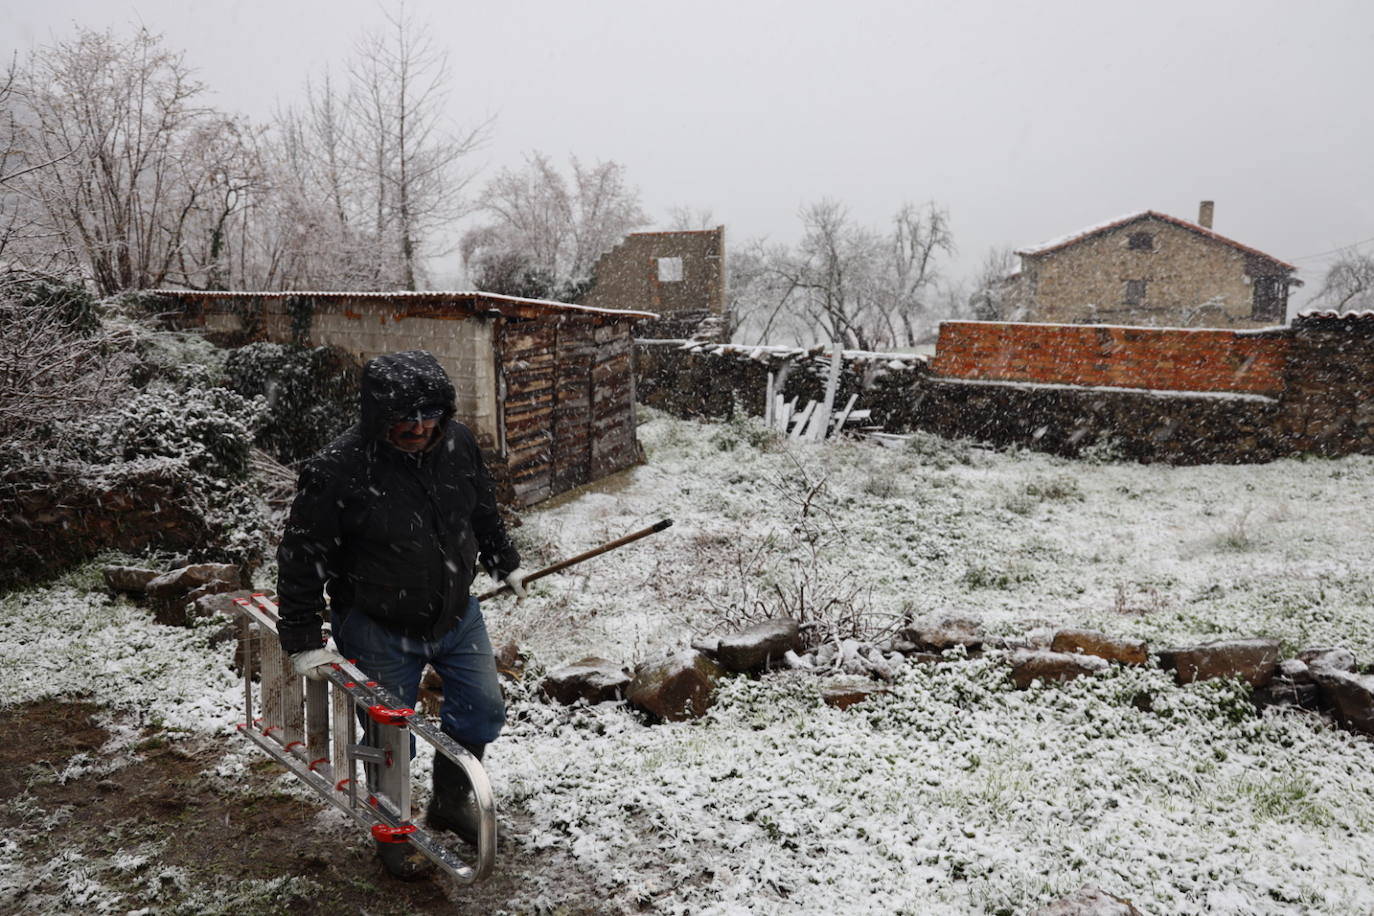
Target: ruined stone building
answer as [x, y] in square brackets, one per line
[678, 275]
[1149, 268]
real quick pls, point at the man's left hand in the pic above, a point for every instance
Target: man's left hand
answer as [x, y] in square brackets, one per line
[515, 579]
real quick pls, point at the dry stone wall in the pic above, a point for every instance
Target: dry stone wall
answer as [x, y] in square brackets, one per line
[1169, 395]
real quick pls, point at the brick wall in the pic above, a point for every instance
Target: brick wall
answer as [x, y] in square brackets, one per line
[1118, 357]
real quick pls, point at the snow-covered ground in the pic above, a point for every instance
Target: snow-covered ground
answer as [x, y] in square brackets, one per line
[952, 793]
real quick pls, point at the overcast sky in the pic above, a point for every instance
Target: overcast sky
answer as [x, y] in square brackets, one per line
[1026, 120]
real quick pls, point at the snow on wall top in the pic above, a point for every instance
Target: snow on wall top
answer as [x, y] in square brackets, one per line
[1065, 241]
[424, 295]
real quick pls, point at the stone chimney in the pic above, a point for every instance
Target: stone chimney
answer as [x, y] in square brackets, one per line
[1204, 214]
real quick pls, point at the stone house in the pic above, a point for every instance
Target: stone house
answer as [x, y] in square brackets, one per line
[1151, 269]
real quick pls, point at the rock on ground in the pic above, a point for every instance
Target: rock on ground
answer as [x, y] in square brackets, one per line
[1089, 901]
[1090, 642]
[759, 645]
[1350, 695]
[1252, 660]
[1028, 665]
[593, 679]
[676, 688]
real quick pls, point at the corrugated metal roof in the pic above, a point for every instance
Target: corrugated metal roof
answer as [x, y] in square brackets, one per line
[1080, 235]
[418, 295]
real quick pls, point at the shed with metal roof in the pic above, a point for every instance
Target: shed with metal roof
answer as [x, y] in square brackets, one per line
[547, 387]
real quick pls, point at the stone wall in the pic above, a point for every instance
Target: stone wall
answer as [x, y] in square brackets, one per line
[703, 380]
[54, 517]
[1194, 396]
[680, 275]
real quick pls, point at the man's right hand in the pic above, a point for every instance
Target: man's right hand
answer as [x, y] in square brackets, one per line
[315, 663]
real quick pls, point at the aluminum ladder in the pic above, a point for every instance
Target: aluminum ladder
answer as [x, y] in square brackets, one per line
[311, 728]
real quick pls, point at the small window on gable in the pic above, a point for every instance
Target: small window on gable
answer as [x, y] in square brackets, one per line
[670, 270]
[1141, 241]
[1134, 293]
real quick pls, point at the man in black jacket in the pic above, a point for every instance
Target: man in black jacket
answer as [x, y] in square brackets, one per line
[390, 520]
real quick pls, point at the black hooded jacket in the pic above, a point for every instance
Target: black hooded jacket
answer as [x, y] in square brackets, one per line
[388, 533]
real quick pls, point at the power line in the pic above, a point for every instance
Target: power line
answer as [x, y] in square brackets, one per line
[1308, 257]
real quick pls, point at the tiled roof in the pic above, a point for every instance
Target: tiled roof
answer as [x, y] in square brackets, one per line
[1066, 241]
[428, 296]
[1331, 316]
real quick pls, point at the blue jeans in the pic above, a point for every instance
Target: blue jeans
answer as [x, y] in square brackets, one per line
[473, 711]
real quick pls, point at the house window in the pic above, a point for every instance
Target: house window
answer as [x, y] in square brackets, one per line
[670, 270]
[1270, 299]
[1134, 293]
[1141, 241]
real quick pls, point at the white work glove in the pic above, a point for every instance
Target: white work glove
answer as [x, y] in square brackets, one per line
[315, 663]
[516, 580]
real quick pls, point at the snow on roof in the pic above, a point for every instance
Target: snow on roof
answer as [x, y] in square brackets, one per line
[1066, 240]
[1332, 314]
[425, 295]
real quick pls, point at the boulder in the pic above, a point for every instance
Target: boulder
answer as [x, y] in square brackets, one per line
[945, 633]
[1090, 642]
[1252, 660]
[845, 694]
[170, 592]
[1089, 901]
[1351, 697]
[595, 680]
[1333, 658]
[679, 687]
[1029, 665]
[128, 580]
[187, 578]
[1291, 669]
[1283, 692]
[763, 644]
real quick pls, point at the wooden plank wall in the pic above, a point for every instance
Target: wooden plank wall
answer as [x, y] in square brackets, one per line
[614, 446]
[572, 413]
[569, 404]
[529, 371]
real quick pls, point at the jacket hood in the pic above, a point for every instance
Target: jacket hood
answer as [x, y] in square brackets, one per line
[397, 384]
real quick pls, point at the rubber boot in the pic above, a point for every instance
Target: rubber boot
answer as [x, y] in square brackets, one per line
[453, 807]
[404, 861]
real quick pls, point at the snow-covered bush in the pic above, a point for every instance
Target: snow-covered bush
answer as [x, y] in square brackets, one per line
[310, 395]
[209, 429]
[104, 420]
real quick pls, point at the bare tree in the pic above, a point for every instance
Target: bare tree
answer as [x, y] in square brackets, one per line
[115, 120]
[547, 229]
[686, 219]
[1349, 283]
[993, 296]
[844, 282]
[401, 143]
[919, 236]
[51, 367]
